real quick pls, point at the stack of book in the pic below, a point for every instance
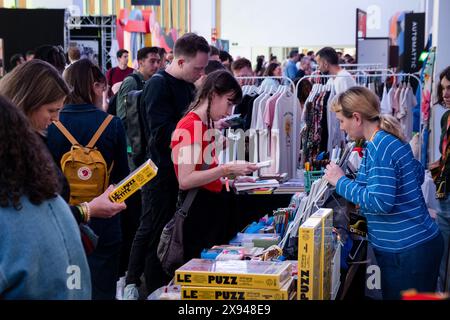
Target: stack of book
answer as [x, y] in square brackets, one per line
[228, 252]
[291, 186]
[202, 279]
[258, 184]
[260, 240]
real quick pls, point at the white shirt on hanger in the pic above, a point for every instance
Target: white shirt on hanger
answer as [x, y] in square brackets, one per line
[385, 105]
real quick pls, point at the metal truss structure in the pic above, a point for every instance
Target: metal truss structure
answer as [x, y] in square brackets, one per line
[107, 32]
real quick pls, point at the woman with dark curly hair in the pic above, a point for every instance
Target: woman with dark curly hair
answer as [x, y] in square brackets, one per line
[41, 255]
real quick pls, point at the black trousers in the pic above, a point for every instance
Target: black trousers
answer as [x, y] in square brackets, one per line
[130, 223]
[211, 220]
[159, 198]
[104, 261]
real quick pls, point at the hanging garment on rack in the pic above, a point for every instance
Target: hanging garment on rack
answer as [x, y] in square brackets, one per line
[391, 99]
[245, 109]
[396, 101]
[336, 137]
[315, 132]
[401, 112]
[407, 104]
[269, 111]
[324, 135]
[385, 105]
[282, 134]
[427, 85]
[256, 109]
[372, 87]
[262, 132]
[270, 83]
[256, 127]
[266, 152]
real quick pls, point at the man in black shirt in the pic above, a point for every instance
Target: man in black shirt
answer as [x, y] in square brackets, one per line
[165, 99]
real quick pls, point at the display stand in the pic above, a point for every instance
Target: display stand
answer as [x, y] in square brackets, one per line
[424, 126]
[106, 26]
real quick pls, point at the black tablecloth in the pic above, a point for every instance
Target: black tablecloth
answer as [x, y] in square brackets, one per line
[252, 207]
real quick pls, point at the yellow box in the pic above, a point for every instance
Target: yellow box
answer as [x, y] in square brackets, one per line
[327, 251]
[215, 293]
[234, 274]
[309, 252]
[134, 181]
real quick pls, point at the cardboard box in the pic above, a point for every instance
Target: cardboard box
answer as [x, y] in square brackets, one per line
[309, 253]
[217, 293]
[234, 274]
[326, 252]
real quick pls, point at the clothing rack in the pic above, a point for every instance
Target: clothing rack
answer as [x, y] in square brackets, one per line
[282, 79]
[363, 72]
[402, 76]
[294, 89]
[367, 66]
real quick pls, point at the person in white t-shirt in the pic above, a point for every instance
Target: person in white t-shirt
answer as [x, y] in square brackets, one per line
[328, 63]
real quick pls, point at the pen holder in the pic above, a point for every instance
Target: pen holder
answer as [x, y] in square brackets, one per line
[310, 177]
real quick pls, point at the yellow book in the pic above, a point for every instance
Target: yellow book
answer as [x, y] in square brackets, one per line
[214, 293]
[234, 274]
[309, 252]
[134, 181]
[326, 256]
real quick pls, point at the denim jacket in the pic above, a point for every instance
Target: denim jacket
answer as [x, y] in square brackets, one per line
[41, 255]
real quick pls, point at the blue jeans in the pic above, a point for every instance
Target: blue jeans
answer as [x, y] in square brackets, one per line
[443, 220]
[416, 268]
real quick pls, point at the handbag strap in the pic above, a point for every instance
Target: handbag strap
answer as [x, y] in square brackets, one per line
[189, 199]
[191, 195]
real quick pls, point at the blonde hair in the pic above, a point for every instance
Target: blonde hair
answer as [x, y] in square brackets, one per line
[366, 103]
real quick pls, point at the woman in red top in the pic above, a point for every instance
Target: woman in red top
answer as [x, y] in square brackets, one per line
[209, 221]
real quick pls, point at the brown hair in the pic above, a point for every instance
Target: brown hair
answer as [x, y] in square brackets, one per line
[27, 167]
[365, 102]
[240, 64]
[33, 84]
[271, 68]
[444, 74]
[304, 89]
[189, 44]
[52, 54]
[74, 53]
[220, 82]
[329, 55]
[81, 76]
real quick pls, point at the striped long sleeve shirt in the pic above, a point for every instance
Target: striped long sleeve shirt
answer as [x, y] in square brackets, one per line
[388, 191]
